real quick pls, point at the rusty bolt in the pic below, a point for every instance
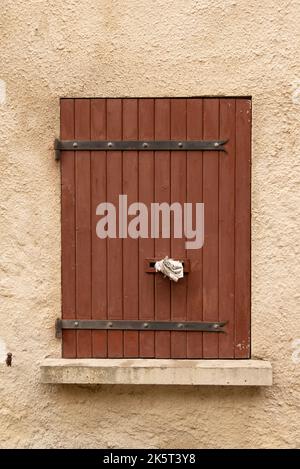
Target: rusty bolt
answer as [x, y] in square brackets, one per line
[9, 359]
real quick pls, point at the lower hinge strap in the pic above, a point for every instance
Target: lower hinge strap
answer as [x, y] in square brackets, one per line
[95, 324]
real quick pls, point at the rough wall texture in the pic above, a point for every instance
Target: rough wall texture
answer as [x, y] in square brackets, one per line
[60, 48]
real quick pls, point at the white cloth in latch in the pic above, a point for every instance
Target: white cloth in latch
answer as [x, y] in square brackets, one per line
[170, 268]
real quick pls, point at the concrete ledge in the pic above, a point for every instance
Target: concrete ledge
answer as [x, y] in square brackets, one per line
[160, 372]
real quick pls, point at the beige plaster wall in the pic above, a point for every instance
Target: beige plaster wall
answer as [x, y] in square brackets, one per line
[54, 48]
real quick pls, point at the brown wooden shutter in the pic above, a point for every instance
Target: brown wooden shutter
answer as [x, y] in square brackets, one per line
[96, 283]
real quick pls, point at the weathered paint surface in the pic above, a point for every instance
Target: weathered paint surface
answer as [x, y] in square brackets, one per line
[141, 48]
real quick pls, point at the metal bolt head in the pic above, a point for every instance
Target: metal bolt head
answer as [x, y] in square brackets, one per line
[180, 144]
[75, 144]
[76, 323]
[179, 325]
[215, 326]
[145, 325]
[109, 144]
[110, 324]
[145, 145]
[216, 144]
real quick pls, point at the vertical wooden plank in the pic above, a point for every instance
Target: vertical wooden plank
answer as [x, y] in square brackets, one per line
[83, 226]
[162, 245]
[99, 254]
[130, 246]
[68, 275]
[211, 242]
[194, 195]
[114, 246]
[178, 194]
[243, 228]
[146, 245]
[226, 226]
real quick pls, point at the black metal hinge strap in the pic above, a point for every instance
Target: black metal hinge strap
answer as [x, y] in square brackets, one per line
[137, 145]
[94, 324]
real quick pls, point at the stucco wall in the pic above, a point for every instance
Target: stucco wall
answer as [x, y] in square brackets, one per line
[56, 48]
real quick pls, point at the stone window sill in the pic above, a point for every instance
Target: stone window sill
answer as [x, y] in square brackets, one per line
[157, 372]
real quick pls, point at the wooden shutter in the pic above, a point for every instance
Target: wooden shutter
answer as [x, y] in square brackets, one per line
[106, 279]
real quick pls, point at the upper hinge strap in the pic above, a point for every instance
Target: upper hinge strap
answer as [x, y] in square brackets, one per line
[137, 145]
